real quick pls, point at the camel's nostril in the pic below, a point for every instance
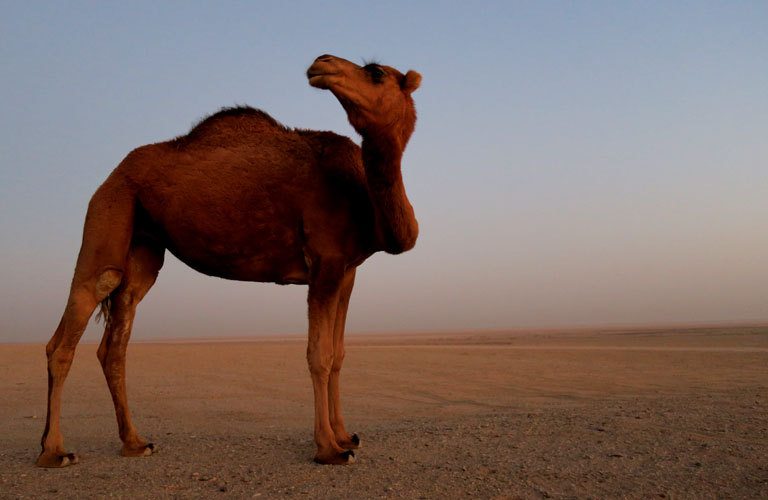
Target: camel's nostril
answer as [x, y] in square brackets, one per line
[324, 57]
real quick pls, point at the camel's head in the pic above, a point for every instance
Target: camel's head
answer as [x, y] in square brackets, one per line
[377, 98]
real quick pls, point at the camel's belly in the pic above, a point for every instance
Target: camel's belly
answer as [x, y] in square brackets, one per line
[231, 232]
[286, 269]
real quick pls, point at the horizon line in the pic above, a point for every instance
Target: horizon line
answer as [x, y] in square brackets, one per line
[520, 330]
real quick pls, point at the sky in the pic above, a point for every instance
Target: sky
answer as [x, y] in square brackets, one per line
[574, 163]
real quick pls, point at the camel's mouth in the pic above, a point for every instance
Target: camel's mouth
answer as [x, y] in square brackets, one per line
[318, 79]
[314, 80]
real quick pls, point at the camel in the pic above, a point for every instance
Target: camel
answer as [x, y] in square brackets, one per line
[243, 197]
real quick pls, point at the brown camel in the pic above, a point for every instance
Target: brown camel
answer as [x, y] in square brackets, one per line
[244, 198]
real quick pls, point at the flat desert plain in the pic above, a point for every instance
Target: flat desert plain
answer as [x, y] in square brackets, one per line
[611, 413]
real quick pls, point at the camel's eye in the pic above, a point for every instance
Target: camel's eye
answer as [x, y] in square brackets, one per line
[376, 72]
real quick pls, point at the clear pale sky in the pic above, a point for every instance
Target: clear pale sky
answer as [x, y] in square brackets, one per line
[574, 163]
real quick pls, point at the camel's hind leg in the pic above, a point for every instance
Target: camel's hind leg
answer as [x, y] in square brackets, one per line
[83, 299]
[99, 270]
[144, 262]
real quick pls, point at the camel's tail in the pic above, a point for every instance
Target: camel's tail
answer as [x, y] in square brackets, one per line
[105, 311]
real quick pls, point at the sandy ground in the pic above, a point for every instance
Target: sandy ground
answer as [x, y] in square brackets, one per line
[664, 413]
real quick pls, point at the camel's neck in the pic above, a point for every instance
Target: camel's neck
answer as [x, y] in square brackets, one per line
[396, 225]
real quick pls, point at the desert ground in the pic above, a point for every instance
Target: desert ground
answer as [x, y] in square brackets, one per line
[673, 412]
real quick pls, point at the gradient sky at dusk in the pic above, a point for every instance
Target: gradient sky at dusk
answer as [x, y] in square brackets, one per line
[574, 163]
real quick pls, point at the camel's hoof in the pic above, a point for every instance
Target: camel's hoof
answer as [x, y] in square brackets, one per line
[344, 458]
[353, 443]
[52, 460]
[141, 451]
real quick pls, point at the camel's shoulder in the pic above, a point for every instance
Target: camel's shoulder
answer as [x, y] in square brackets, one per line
[337, 153]
[332, 146]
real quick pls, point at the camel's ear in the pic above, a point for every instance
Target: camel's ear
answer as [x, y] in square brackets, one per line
[411, 81]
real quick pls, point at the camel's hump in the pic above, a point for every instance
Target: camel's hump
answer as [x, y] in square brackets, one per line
[217, 119]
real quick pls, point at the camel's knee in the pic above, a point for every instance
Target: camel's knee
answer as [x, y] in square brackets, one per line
[60, 356]
[320, 364]
[320, 368]
[113, 344]
[51, 346]
[338, 359]
[113, 363]
[59, 361]
[111, 353]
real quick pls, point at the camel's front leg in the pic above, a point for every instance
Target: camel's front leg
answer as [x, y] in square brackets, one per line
[324, 287]
[343, 438]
